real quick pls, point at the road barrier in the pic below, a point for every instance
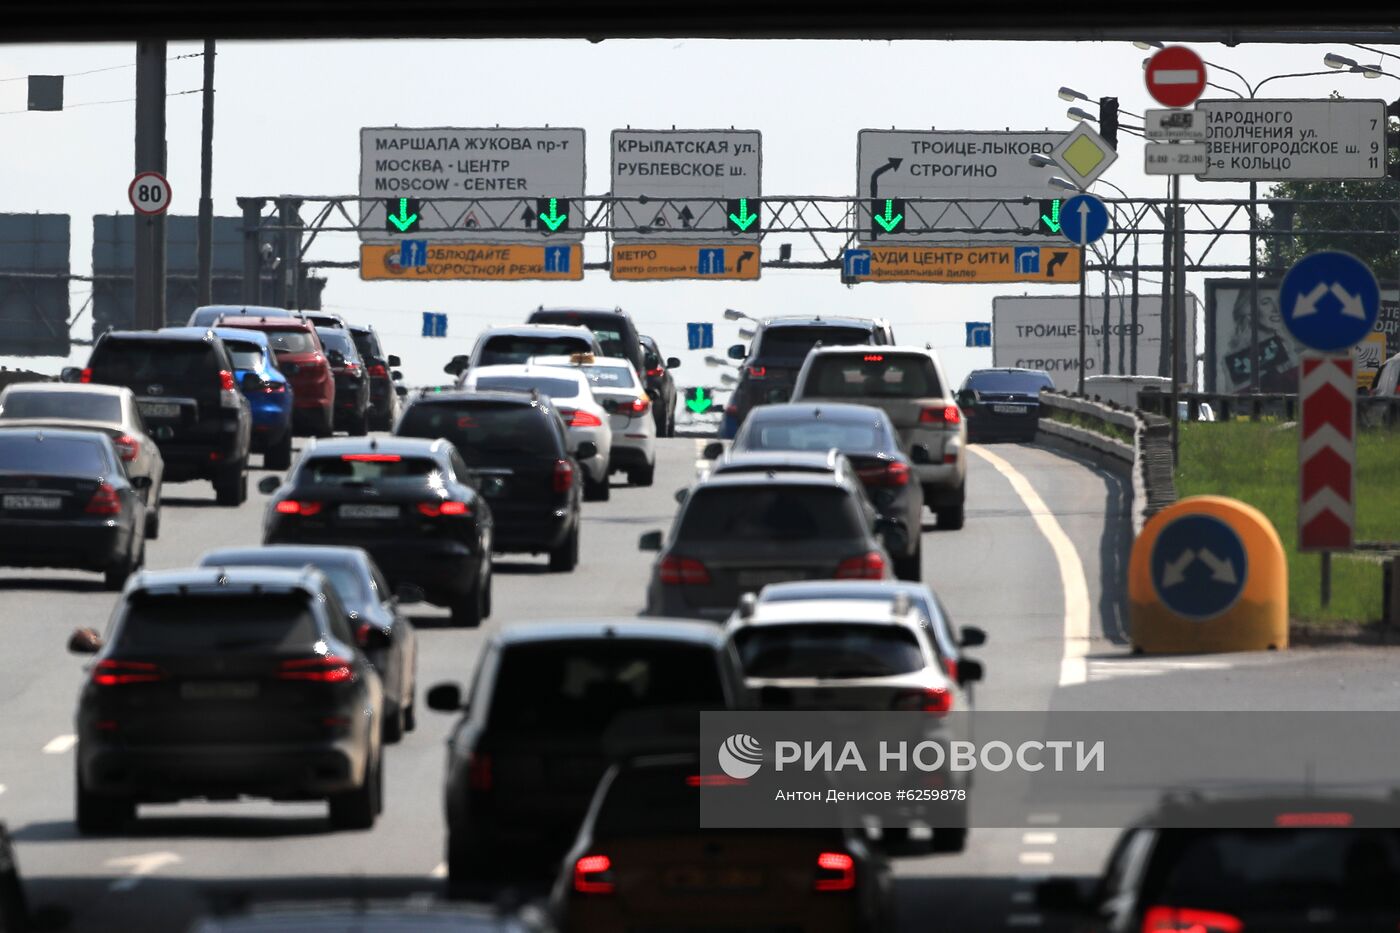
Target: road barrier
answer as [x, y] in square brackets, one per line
[1371, 411]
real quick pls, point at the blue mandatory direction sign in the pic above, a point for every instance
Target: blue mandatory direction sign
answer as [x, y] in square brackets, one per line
[1199, 566]
[413, 253]
[1083, 219]
[700, 336]
[979, 333]
[1329, 300]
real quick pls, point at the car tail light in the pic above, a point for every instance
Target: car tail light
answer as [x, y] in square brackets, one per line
[894, 473]
[868, 566]
[228, 390]
[757, 372]
[873, 358]
[683, 571]
[731, 409]
[272, 388]
[580, 419]
[950, 457]
[479, 771]
[593, 875]
[85, 375]
[324, 669]
[657, 372]
[713, 780]
[1189, 920]
[563, 475]
[352, 368]
[931, 700]
[948, 414]
[371, 458]
[104, 501]
[379, 371]
[836, 871]
[295, 507]
[112, 673]
[444, 507]
[1336, 818]
[128, 447]
[637, 406]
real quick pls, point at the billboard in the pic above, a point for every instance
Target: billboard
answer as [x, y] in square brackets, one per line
[34, 302]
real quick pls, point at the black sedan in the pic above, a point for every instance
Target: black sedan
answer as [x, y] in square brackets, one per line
[352, 380]
[372, 605]
[66, 501]
[661, 386]
[407, 501]
[1002, 404]
[868, 439]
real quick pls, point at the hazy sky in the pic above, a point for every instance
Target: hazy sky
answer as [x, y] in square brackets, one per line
[288, 116]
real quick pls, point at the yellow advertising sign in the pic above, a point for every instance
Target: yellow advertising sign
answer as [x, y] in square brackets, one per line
[476, 261]
[638, 263]
[962, 264]
[1370, 356]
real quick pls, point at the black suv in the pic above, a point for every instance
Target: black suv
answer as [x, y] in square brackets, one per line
[616, 333]
[516, 449]
[184, 385]
[224, 682]
[660, 386]
[383, 393]
[779, 346]
[1002, 403]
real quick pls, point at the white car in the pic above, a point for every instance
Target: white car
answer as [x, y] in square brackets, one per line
[572, 396]
[516, 343]
[624, 395]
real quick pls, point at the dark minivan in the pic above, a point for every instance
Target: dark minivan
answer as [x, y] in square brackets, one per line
[614, 329]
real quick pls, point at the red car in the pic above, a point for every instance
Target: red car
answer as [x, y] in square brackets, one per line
[302, 359]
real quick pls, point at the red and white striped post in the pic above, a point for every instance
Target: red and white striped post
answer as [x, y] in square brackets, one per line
[1326, 457]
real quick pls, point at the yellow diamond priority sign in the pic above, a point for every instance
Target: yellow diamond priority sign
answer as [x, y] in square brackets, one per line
[1084, 155]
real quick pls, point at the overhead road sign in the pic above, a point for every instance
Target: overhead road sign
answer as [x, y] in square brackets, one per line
[1083, 219]
[1326, 452]
[1174, 124]
[149, 193]
[1175, 158]
[990, 263]
[1175, 76]
[1084, 155]
[519, 182]
[687, 185]
[633, 262]
[979, 333]
[919, 186]
[1329, 300]
[476, 261]
[1293, 139]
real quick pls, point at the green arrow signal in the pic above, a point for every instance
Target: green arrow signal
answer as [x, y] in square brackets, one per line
[553, 219]
[888, 222]
[699, 404]
[404, 220]
[744, 220]
[1053, 221]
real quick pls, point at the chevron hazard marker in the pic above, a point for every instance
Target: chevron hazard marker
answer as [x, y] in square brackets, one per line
[1327, 452]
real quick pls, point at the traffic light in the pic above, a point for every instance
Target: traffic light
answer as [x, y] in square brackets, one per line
[551, 214]
[1108, 120]
[401, 215]
[1048, 220]
[886, 216]
[741, 215]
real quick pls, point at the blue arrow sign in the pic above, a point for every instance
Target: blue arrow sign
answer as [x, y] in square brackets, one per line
[979, 334]
[1199, 567]
[700, 336]
[1329, 300]
[1083, 219]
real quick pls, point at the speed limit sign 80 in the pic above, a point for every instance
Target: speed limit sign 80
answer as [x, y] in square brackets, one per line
[149, 193]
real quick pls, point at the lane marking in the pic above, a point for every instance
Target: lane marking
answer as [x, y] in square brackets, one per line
[439, 872]
[141, 866]
[1038, 839]
[1036, 858]
[60, 744]
[1073, 669]
[1043, 819]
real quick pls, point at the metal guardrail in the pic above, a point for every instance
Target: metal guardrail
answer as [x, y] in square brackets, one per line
[1371, 411]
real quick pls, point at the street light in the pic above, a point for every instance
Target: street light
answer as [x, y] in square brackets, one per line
[731, 315]
[1065, 184]
[719, 361]
[1039, 161]
[1079, 115]
[747, 333]
[1338, 62]
[729, 379]
[1149, 45]
[1070, 94]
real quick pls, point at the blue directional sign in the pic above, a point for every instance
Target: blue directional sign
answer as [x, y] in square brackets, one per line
[434, 324]
[1083, 219]
[856, 262]
[1199, 567]
[556, 258]
[711, 262]
[979, 334]
[413, 253]
[701, 336]
[1329, 300]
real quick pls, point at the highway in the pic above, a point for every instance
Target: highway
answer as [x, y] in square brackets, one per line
[1003, 572]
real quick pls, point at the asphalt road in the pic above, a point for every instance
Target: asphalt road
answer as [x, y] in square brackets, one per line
[1001, 572]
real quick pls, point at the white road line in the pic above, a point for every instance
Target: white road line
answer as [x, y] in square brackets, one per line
[1023, 920]
[439, 872]
[2, 788]
[141, 866]
[1073, 669]
[1038, 839]
[1036, 858]
[1043, 819]
[60, 744]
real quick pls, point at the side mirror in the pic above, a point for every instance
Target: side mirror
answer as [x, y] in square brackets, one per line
[140, 483]
[407, 594]
[964, 397]
[736, 352]
[919, 454]
[445, 698]
[251, 382]
[713, 450]
[650, 541]
[70, 374]
[372, 637]
[673, 362]
[401, 391]
[394, 360]
[969, 671]
[268, 485]
[455, 365]
[682, 495]
[1062, 895]
[587, 450]
[970, 636]
[396, 376]
[85, 641]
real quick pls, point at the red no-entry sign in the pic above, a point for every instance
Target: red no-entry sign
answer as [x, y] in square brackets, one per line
[1176, 76]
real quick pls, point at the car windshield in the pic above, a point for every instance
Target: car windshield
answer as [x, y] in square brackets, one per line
[993, 381]
[791, 342]
[554, 388]
[291, 341]
[369, 469]
[365, 343]
[171, 624]
[350, 584]
[872, 375]
[610, 377]
[828, 650]
[53, 456]
[812, 434]
[485, 432]
[244, 355]
[769, 513]
[175, 361]
[506, 349]
[338, 341]
[84, 406]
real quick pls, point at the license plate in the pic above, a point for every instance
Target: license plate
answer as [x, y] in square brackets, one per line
[219, 690]
[765, 577]
[369, 511]
[160, 409]
[1010, 409]
[33, 502]
[689, 878]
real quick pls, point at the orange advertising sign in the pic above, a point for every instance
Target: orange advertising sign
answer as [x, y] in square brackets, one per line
[473, 261]
[637, 263]
[991, 263]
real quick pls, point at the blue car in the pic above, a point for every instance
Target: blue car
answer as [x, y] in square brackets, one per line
[270, 397]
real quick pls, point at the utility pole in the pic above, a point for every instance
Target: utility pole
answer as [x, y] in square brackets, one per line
[1133, 367]
[1107, 321]
[148, 272]
[1164, 354]
[1254, 288]
[206, 174]
[1178, 309]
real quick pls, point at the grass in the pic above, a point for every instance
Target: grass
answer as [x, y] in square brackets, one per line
[1258, 463]
[1074, 419]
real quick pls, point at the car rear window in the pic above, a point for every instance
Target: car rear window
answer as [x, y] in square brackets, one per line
[244, 355]
[366, 343]
[579, 686]
[828, 649]
[339, 341]
[610, 377]
[650, 802]
[350, 585]
[485, 432]
[290, 341]
[554, 388]
[872, 375]
[769, 513]
[171, 361]
[53, 456]
[222, 622]
[793, 342]
[1030, 383]
[812, 434]
[370, 469]
[87, 406]
[505, 349]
